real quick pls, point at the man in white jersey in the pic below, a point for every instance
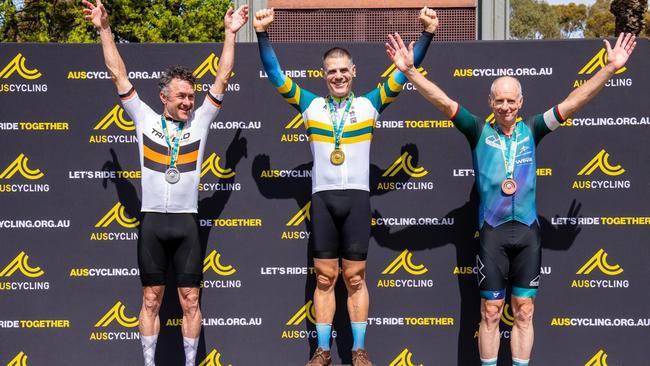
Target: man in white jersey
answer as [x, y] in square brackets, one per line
[171, 146]
[340, 128]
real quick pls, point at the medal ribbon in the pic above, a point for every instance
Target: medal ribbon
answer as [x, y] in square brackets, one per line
[338, 127]
[509, 159]
[179, 134]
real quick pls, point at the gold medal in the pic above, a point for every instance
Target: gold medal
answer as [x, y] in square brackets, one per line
[337, 157]
[509, 187]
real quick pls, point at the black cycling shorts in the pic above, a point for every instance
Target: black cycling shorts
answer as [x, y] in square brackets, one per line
[341, 224]
[166, 237]
[510, 252]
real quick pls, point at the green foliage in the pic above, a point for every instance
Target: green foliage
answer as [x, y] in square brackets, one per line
[600, 22]
[131, 21]
[572, 18]
[530, 19]
[533, 19]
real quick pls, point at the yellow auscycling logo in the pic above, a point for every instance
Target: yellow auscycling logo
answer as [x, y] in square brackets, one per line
[392, 68]
[601, 161]
[117, 213]
[404, 162]
[491, 119]
[19, 360]
[404, 261]
[20, 165]
[599, 260]
[211, 63]
[599, 359]
[296, 122]
[404, 359]
[212, 261]
[212, 359]
[20, 263]
[598, 61]
[211, 164]
[116, 115]
[506, 317]
[18, 64]
[117, 313]
[303, 214]
[305, 312]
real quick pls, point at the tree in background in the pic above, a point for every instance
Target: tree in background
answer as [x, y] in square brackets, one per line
[572, 18]
[133, 21]
[533, 19]
[600, 22]
[530, 19]
[629, 15]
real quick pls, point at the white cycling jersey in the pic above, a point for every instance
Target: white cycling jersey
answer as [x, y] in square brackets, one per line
[157, 194]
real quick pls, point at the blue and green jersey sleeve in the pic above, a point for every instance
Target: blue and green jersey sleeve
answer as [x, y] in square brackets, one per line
[470, 125]
[386, 92]
[299, 98]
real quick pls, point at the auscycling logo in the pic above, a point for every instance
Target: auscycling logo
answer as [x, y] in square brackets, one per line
[404, 163]
[117, 214]
[20, 263]
[294, 124]
[212, 263]
[297, 220]
[599, 359]
[599, 261]
[19, 360]
[116, 314]
[212, 359]
[18, 65]
[304, 314]
[404, 261]
[597, 62]
[19, 165]
[601, 163]
[115, 118]
[404, 359]
[210, 65]
[212, 165]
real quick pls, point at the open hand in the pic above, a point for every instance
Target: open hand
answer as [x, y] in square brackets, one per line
[234, 20]
[401, 55]
[617, 56]
[96, 14]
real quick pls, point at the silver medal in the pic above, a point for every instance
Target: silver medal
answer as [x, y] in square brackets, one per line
[172, 175]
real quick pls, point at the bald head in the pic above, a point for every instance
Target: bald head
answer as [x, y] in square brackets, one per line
[505, 84]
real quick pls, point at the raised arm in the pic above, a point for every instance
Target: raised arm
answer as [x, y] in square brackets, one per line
[388, 91]
[233, 21]
[403, 59]
[292, 93]
[616, 59]
[98, 16]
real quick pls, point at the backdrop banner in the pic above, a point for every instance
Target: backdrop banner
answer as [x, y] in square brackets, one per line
[70, 214]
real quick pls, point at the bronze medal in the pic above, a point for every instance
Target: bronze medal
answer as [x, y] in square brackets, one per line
[337, 157]
[509, 186]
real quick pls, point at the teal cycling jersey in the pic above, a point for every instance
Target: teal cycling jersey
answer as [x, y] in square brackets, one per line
[355, 141]
[485, 139]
